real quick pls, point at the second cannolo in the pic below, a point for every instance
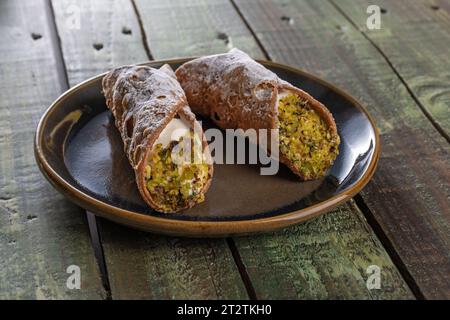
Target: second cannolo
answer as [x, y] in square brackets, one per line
[235, 91]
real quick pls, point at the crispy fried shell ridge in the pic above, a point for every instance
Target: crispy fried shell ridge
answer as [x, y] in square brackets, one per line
[143, 100]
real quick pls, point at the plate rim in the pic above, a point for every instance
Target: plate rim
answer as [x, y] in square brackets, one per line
[196, 228]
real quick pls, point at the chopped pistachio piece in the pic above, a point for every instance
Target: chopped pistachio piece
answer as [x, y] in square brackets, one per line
[173, 184]
[305, 139]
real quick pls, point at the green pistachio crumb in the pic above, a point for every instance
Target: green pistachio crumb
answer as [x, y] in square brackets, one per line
[305, 138]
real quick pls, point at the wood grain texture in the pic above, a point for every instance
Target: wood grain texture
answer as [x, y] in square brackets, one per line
[188, 28]
[415, 38]
[409, 194]
[41, 234]
[108, 36]
[140, 265]
[325, 258]
[146, 266]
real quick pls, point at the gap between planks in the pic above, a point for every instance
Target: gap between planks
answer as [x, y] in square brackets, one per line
[60, 63]
[396, 260]
[251, 292]
[141, 27]
[252, 32]
[96, 241]
[91, 218]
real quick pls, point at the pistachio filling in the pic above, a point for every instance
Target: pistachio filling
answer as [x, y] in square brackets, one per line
[305, 139]
[176, 177]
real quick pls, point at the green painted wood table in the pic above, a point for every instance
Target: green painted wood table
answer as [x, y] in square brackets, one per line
[400, 222]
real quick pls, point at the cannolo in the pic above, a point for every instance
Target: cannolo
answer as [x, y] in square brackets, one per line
[164, 143]
[236, 92]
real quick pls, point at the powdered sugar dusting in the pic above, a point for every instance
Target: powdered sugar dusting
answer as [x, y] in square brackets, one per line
[232, 88]
[143, 100]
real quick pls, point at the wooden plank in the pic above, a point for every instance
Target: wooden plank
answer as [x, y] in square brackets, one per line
[325, 258]
[189, 28]
[141, 265]
[409, 194]
[415, 38]
[107, 35]
[41, 234]
[146, 266]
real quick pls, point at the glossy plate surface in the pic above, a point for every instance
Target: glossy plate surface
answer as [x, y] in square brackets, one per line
[80, 152]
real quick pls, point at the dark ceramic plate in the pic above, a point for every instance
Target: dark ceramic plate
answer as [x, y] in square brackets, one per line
[80, 152]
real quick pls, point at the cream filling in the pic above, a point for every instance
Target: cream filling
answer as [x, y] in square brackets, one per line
[174, 130]
[281, 95]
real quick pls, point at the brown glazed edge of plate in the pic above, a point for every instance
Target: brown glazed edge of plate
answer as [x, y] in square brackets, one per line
[201, 228]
